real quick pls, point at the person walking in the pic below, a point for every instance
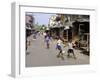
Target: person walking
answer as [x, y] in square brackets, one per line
[47, 40]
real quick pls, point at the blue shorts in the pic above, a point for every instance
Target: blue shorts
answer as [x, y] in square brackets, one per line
[59, 47]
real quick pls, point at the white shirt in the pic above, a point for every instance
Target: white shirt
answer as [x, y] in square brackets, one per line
[70, 46]
[59, 42]
[44, 34]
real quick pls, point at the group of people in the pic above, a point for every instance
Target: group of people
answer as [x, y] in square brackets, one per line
[69, 51]
[29, 32]
[59, 46]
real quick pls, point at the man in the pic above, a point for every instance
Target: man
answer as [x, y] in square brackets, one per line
[28, 33]
[47, 40]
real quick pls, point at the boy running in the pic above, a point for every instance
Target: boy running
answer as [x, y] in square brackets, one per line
[70, 49]
[58, 46]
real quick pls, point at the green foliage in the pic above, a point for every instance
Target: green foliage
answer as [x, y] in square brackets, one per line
[40, 27]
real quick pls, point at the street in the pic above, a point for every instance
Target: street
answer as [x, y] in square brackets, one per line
[38, 55]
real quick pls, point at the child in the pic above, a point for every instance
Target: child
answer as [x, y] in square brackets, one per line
[58, 46]
[70, 49]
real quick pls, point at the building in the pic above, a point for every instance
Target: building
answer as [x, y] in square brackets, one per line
[56, 26]
[29, 23]
[71, 27]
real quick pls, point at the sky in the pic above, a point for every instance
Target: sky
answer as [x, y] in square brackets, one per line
[42, 18]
